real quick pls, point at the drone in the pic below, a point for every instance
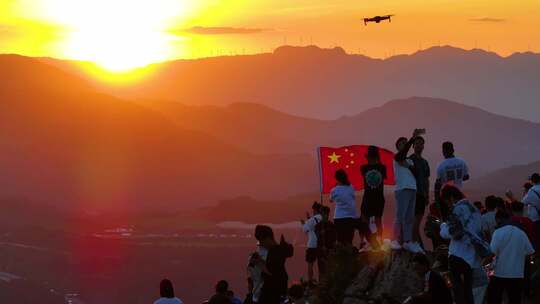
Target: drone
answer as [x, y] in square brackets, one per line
[378, 19]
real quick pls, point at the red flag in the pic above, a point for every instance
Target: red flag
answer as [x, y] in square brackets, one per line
[350, 159]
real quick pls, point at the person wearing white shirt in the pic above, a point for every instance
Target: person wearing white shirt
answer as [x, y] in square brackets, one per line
[532, 201]
[345, 213]
[511, 247]
[463, 224]
[309, 228]
[166, 292]
[405, 193]
[452, 169]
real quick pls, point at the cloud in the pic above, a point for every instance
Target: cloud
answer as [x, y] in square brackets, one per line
[488, 19]
[224, 30]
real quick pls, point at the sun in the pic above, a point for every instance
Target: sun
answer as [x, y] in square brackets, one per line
[118, 35]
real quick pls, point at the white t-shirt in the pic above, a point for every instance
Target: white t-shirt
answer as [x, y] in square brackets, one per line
[344, 198]
[452, 170]
[510, 245]
[532, 201]
[404, 176]
[462, 248]
[168, 301]
[309, 228]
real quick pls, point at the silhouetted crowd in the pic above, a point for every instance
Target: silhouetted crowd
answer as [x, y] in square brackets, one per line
[482, 251]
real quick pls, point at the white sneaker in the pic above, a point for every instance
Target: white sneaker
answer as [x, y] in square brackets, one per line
[394, 245]
[412, 247]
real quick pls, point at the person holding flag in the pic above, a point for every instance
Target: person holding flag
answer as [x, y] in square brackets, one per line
[340, 176]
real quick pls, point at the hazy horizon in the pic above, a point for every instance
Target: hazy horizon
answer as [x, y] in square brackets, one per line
[273, 49]
[181, 28]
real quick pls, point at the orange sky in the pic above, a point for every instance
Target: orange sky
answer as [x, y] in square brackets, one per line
[121, 34]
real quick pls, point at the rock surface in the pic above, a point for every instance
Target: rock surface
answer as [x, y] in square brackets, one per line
[388, 277]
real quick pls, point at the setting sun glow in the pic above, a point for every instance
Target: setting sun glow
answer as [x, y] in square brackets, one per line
[122, 35]
[117, 35]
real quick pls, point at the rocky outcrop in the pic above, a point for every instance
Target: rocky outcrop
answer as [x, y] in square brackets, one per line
[387, 277]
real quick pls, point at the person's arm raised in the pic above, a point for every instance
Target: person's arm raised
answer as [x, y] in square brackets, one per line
[401, 156]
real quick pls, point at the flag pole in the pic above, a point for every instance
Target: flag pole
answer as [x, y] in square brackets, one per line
[320, 173]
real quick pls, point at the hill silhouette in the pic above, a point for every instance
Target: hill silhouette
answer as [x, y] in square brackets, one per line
[86, 150]
[499, 181]
[64, 142]
[328, 83]
[20, 73]
[262, 130]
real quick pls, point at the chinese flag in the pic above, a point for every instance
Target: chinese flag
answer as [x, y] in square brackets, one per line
[350, 159]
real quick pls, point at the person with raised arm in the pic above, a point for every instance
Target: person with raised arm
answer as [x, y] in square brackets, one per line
[405, 193]
[275, 276]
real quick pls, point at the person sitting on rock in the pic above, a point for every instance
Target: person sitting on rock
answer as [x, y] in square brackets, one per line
[435, 288]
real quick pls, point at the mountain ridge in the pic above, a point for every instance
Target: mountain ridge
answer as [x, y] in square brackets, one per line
[319, 83]
[261, 130]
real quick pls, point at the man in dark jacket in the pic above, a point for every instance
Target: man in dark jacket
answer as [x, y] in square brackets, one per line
[275, 274]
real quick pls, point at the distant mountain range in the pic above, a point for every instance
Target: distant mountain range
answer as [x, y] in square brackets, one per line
[499, 181]
[68, 146]
[329, 83]
[487, 141]
[90, 151]
[293, 208]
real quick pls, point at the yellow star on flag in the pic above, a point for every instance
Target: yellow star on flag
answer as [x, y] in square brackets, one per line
[334, 158]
